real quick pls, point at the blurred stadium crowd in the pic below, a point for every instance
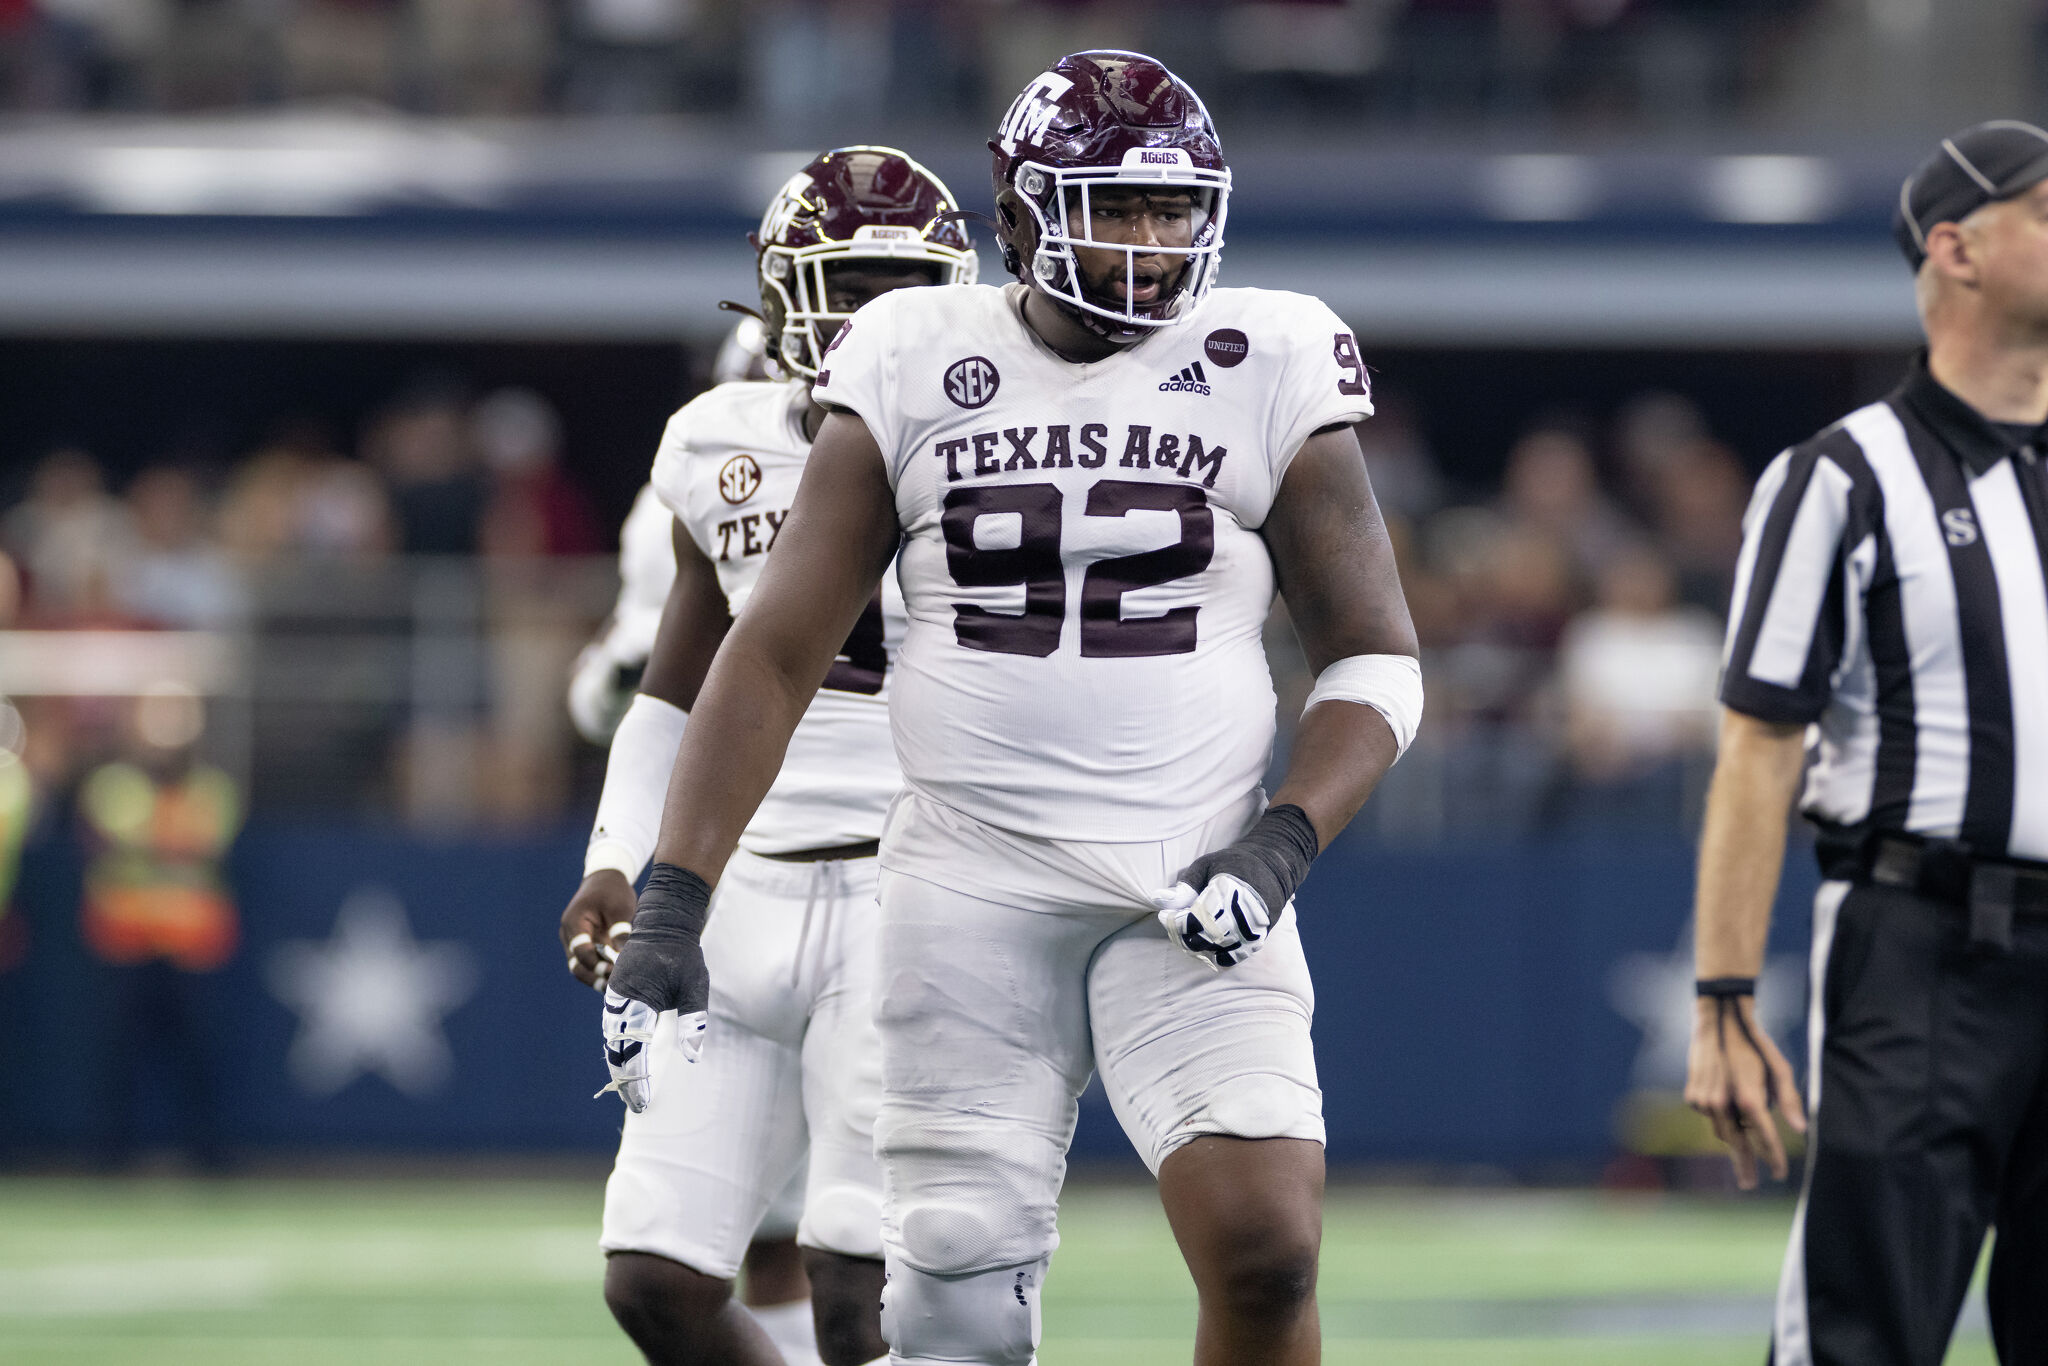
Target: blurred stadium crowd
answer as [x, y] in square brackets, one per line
[432, 475]
[407, 608]
[1570, 620]
[786, 64]
[403, 612]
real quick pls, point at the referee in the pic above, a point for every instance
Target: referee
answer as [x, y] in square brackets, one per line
[1891, 611]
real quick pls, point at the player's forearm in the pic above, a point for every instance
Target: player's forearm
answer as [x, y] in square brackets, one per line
[694, 620]
[1341, 751]
[1742, 849]
[746, 711]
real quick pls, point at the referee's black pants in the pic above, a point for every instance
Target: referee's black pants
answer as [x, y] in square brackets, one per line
[1931, 1126]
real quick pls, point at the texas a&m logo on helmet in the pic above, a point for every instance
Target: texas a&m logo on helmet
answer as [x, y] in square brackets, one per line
[1033, 111]
[1096, 123]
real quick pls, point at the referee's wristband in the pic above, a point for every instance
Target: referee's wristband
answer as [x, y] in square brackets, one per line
[1725, 987]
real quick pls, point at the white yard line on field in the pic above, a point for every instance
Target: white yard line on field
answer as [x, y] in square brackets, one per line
[136, 1287]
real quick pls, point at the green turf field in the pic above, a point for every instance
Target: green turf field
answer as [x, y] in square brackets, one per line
[407, 1273]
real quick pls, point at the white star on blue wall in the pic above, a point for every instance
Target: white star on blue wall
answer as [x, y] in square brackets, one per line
[371, 999]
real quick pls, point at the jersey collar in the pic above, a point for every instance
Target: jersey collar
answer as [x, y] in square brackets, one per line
[1016, 292]
[798, 404]
[1978, 443]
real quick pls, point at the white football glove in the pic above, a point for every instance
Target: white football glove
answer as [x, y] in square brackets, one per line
[629, 1029]
[1223, 924]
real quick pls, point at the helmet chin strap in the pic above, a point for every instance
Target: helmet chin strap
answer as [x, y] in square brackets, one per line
[1095, 324]
[1110, 329]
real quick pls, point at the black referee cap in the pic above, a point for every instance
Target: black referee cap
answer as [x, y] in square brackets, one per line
[1978, 166]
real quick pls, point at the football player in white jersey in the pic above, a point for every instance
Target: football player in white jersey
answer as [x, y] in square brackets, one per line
[607, 671]
[794, 1059]
[1098, 476]
[602, 685]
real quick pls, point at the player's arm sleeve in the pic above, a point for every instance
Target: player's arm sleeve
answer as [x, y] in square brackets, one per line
[647, 563]
[858, 372]
[1787, 621]
[608, 669]
[1323, 385]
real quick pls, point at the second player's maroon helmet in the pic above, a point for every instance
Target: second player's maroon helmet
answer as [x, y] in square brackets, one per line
[851, 204]
[1095, 119]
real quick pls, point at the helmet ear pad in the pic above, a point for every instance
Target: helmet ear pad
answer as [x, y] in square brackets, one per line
[1016, 231]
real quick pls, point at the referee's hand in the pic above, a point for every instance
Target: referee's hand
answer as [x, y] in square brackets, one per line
[1736, 1077]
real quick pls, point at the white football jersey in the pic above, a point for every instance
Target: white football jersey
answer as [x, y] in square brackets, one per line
[1085, 580]
[728, 469]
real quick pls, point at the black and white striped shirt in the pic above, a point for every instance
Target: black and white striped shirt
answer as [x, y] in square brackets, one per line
[1891, 594]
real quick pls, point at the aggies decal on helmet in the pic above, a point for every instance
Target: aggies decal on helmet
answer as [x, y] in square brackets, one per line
[1099, 119]
[868, 204]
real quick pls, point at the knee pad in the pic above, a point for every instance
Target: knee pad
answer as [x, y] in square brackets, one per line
[987, 1316]
[843, 1218]
[1262, 1105]
[951, 1239]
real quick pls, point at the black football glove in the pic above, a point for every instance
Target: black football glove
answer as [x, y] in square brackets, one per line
[1224, 903]
[660, 969]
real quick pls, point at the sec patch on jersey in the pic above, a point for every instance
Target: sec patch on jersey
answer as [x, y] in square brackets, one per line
[739, 479]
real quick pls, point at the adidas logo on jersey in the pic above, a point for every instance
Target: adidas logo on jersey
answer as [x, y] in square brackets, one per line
[1190, 380]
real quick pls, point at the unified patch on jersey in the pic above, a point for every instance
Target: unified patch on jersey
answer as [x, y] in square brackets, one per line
[1227, 347]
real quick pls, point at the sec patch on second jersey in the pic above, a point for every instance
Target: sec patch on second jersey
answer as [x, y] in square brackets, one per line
[740, 479]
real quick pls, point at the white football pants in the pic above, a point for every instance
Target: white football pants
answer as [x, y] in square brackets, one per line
[993, 1016]
[790, 1061]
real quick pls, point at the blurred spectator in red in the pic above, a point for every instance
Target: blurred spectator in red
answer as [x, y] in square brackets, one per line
[158, 914]
[535, 509]
[178, 575]
[421, 444]
[70, 536]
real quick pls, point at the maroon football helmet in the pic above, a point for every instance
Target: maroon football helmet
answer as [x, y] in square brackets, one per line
[1097, 119]
[851, 204]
